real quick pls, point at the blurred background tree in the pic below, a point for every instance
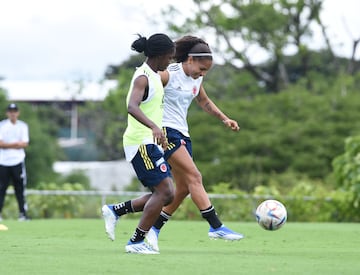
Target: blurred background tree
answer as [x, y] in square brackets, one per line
[295, 104]
[294, 109]
[272, 30]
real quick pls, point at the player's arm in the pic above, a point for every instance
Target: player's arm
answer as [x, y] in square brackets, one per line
[13, 145]
[209, 106]
[21, 144]
[136, 97]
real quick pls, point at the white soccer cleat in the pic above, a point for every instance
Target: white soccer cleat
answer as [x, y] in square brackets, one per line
[23, 218]
[224, 233]
[110, 219]
[152, 238]
[140, 248]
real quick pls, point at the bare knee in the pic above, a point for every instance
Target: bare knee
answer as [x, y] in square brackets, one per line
[166, 192]
[169, 201]
[182, 189]
[195, 178]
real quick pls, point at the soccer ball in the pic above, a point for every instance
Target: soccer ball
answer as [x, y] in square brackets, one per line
[271, 214]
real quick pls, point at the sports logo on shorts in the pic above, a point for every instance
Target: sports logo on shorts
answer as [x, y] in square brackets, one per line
[163, 167]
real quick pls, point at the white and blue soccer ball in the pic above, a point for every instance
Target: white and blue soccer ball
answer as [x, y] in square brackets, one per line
[271, 215]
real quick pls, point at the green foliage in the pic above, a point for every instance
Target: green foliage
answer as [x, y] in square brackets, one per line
[3, 103]
[312, 201]
[307, 201]
[57, 206]
[241, 28]
[347, 169]
[225, 83]
[51, 206]
[291, 131]
[285, 138]
[278, 133]
[76, 177]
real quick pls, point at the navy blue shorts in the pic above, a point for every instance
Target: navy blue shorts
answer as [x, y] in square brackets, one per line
[150, 166]
[175, 140]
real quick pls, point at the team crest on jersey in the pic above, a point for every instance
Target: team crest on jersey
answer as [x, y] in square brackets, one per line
[194, 90]
[163, 167]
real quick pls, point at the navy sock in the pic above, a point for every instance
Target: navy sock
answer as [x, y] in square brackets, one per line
[123, 208]
[163, 218]
[139, 235]
[210, 215]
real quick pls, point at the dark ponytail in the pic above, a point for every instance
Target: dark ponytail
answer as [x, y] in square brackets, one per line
[157, 44]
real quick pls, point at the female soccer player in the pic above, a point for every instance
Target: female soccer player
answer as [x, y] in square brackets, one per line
[182, 83]
[141, 141]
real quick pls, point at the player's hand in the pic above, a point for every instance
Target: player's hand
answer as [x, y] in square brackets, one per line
[232, 124]
[159, 137]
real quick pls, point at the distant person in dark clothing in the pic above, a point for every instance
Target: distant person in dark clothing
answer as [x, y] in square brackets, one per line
[14, 137]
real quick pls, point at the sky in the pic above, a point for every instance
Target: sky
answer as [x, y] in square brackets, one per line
[69, 40]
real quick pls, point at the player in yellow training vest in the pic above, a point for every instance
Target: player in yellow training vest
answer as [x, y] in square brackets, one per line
[144, 142]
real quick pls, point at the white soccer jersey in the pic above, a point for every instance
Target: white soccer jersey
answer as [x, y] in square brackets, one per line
[179, 93]
[9, 133]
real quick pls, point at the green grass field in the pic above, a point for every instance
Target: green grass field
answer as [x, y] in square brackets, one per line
[81, 247]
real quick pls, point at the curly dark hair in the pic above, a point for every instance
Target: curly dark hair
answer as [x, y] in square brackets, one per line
[191, 44]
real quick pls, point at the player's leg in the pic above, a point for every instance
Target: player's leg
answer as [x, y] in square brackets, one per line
[188, 180]
[145, 167]
[181, 191]
[187, 177]
[112, 212]
[4, 184]
[18, 174]
[187, 174]
[162, 195]
[158, 179]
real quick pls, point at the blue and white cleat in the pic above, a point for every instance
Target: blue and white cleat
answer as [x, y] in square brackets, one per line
[152, 238]
[110, 219]
[140, 248]
[224, 233]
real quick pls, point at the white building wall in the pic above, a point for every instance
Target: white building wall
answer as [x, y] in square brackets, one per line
[103, 175]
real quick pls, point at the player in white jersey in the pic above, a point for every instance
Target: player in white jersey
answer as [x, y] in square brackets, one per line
[14, 137]
[180, 92]
[183, 83]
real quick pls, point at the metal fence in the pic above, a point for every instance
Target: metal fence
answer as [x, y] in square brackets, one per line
[105, 194]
